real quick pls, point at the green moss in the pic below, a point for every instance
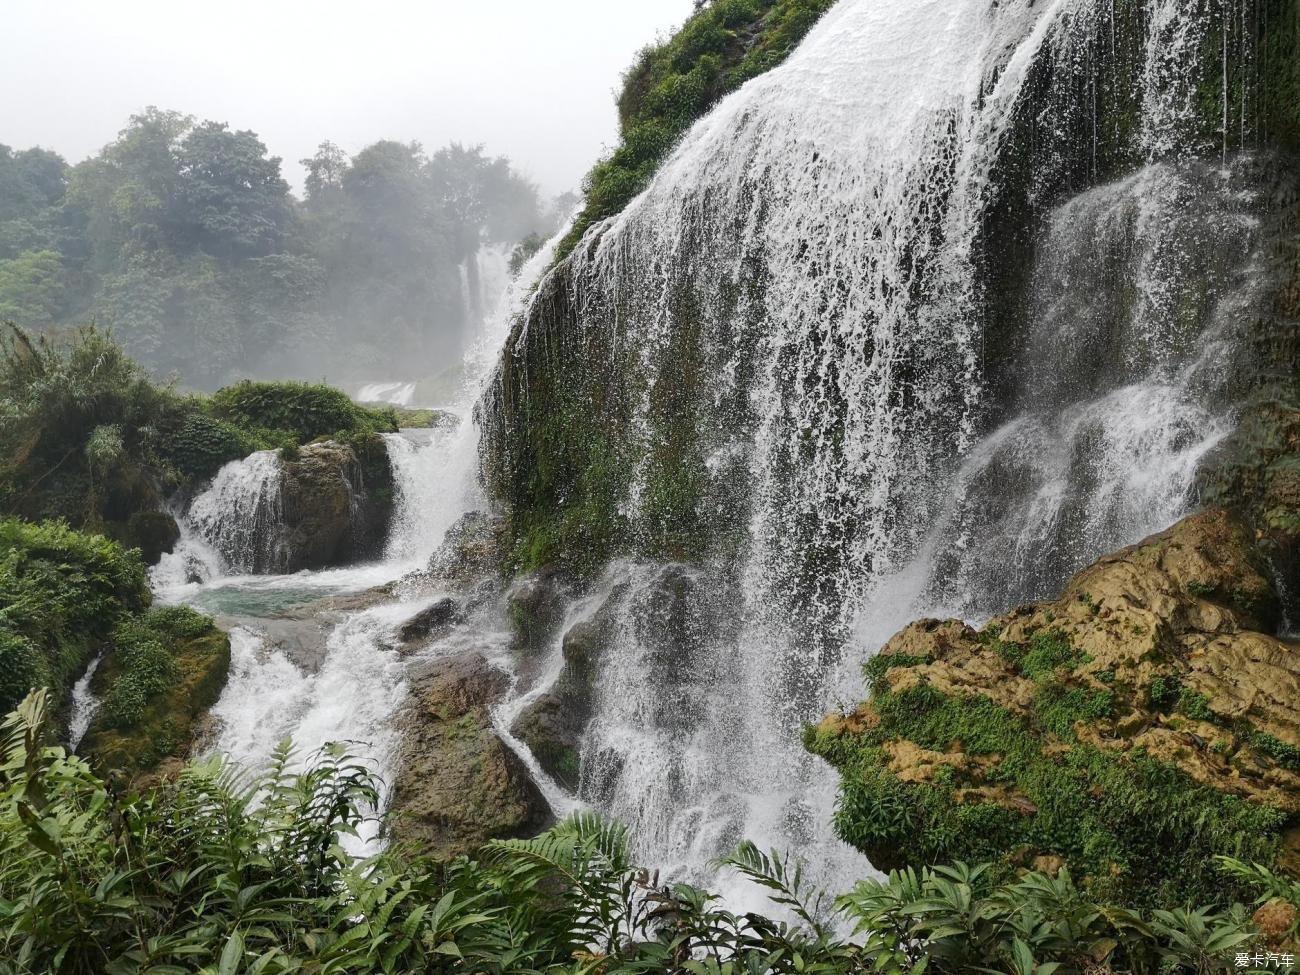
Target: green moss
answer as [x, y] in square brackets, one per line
[1164, 691]
[1138, 829]
[1276, 749]
[878, 666]
[674, 83]
[1046, 652]
[1058, 707]
[163, 671]
[1195, 705]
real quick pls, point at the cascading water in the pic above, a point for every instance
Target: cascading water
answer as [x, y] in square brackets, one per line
[322, 674]
[398, 394]
[241, 514]
[84, 705]
[813, 250]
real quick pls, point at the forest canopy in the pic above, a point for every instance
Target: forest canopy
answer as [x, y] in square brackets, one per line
[184, 238]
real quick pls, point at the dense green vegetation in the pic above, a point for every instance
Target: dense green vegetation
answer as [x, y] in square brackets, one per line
[65, 597]
[212, 873]
[183, 237]
[677, 81]
[1137, 829]
[87, 437]
[62, 595]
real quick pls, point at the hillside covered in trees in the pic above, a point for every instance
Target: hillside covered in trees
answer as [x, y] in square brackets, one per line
[184, 238]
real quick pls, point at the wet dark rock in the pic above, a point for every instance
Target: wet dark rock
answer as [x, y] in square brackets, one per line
[552, 727]
[470, 551]
[535, 605]
[430, 623]
[337, 502]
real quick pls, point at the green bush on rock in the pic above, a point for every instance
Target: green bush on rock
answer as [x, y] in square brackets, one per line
[305, 410]
[62, 593]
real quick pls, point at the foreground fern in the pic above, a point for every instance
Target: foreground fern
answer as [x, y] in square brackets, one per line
[221, 874]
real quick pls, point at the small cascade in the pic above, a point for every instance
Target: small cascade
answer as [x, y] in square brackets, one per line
[427, 495]
[84, 705]
[350, 697]
[241, 514]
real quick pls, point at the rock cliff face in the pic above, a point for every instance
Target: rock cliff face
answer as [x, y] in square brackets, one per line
[1134, 726]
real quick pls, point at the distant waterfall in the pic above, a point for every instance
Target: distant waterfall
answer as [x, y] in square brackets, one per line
[802, 291]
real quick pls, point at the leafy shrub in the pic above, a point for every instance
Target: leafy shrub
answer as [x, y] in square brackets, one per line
[203, 444]
[217, 873]
[144, 670]
[62, 592]
[306, 410]
[79, 424]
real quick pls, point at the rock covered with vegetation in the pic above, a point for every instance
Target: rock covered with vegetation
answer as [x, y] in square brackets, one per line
[70, 597]
[64, 593]
[87, 437]
[1132, 728]
[161, 673]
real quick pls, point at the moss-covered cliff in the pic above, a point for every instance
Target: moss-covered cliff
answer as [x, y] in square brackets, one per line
[1134, 727]
[675, 82]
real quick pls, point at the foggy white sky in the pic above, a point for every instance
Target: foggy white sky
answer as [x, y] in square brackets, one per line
[530, 79]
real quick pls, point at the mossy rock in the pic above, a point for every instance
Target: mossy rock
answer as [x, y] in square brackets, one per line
[171, 721]
[1135, 727]
[152, 532]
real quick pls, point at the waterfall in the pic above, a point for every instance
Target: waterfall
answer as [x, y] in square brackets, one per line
[398, 393]
[791, 327]
[241, 514]
[331, 675]
[84, 705]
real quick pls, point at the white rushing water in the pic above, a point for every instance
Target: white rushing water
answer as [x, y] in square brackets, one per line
[84, 705]
[398, 394]
[815, 236]
[324, 675]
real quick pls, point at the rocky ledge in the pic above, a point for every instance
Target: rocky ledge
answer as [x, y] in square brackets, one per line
[459, 785]
[1133, 728]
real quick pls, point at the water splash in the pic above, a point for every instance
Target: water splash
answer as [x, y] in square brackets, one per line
[241, 514]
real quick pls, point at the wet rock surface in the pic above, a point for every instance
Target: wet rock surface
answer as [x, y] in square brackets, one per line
[459, 785]
[337, 505]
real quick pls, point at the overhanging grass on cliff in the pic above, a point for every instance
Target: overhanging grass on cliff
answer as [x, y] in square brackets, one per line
[676, 82]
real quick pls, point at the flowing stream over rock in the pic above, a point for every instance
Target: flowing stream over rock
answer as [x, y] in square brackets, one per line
[313, 655]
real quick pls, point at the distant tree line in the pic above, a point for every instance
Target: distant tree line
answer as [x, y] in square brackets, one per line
[183, 237]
